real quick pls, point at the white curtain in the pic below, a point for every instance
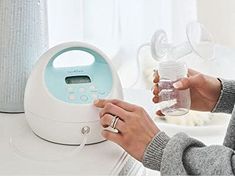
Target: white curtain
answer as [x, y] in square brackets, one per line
[119, 26]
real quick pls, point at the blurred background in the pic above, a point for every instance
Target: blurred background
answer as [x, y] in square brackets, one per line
[119, 27]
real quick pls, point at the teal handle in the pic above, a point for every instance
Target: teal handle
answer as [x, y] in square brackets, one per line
[95, 56]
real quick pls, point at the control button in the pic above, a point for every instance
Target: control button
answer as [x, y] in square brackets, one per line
[85, 130]
[70, 89]
[94, 96]
[81, 90]
[92, 88]
[72, 97]
[84, 98]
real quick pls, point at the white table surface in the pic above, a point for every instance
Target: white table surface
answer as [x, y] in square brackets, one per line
[100, 159]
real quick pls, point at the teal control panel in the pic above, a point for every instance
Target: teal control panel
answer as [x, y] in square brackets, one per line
[79, 84]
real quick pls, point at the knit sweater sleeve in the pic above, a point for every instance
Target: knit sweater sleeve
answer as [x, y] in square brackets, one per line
[226, 100]
[182, 155]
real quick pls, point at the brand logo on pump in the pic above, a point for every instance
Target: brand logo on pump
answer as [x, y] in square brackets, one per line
[75, 71]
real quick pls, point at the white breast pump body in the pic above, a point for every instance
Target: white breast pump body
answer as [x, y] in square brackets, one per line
[59, 101]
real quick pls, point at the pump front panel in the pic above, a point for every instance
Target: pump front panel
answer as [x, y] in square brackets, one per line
[79, 84]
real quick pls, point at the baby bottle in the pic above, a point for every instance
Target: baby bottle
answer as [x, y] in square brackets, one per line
[173, 102]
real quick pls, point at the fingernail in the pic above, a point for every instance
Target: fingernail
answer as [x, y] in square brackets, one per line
[177, 84]
[96, 101]
[154, 72]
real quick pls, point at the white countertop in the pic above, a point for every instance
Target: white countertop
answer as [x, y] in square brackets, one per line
[105, 158]
[98, 159]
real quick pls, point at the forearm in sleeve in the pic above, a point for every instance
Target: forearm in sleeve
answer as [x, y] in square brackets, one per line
[226, 100]
[182, 155]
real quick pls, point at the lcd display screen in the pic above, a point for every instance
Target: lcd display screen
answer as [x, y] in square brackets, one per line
[77, 79]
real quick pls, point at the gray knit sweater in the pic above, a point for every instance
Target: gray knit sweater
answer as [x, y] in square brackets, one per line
[183, 155]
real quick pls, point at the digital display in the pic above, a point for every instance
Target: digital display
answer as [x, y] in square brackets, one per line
[77, 80]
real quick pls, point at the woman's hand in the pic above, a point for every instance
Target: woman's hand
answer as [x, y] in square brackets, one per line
[135, 128]
[204, 90]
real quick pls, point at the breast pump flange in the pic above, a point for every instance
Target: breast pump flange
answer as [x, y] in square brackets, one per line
[199, 41]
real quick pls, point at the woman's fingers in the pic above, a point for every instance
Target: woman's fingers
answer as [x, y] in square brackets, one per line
[156, 77]
[133, 134]
[112, 109]
[124, 105]
[155, 90]
[192, 72]
[193, 81]
[155, 99]
[155, 93]
[159, 113]
[107, 119]
[182, 84]
[115, 137]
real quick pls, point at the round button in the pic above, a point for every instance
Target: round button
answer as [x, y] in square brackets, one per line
[84, 98]
[92, 87]
[81, 90]
[72, 97]
[70, 89]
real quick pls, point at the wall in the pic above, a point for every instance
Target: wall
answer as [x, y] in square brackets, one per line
[219, 17]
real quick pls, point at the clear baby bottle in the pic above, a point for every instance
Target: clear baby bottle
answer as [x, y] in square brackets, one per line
[173, 102]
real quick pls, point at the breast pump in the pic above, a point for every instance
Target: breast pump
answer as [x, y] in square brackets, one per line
[170, 68]
[58, 101]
